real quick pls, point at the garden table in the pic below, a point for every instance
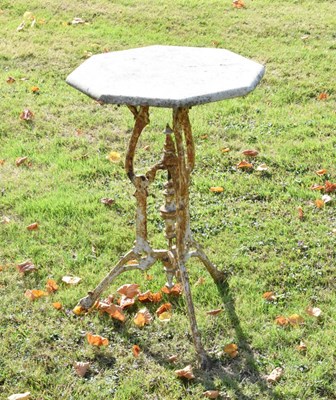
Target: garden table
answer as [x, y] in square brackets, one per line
[178, 78]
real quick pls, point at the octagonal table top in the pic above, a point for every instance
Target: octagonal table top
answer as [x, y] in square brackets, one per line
[166, 76]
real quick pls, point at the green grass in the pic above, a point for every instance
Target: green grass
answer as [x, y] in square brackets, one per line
[251, 230]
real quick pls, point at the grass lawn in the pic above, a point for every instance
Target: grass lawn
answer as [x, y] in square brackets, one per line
[252, 230]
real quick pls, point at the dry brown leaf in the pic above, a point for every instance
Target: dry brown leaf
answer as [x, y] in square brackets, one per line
[114, 157]
[262, 167]
[71, 280]
[231, 350]
[211, 394]
[250, 153]
[32, 227]
[81, 368]
[136, 350]
[316, 186]
[216, 189]
[129, 290]
[225, 149]
[173, 358]
[282, 321]
[214, 312]
[19, 396]
[323, 96]
[238, 4]
[142, 318]
[200, 281]
[163, 308]
[113, 310]
[26, 115]
[321, 172]
[300, 213]
[26, 266]
[35, 294]
[96, 340]
[149, 297]
[269, 296]
[176, 290]
[107, 201]
[302, 346]
[319, 203]
[275, 375]
[10, 80]
[186, 372]
[295, 319]
[329, 187]
[313, 311]
[244, 165]
[19, 161]
[126, 301]
[51, 286]
[57, 305]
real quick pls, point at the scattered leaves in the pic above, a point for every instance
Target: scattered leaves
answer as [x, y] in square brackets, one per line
[96, 340]
[33, 227]
[244, 165]
[19, 161]
[57, 305]
[313, 311]
[269, 296]
[215, 312]
[321, 172]
[112, 310]
[176, 290]
[19, 396]
[142, 318]
[129, 290]
[238, 4]
[250, 153]
[186, 372]
[216, 189]
[231, 350]
[26, 115]
[136, 350]
[51, 286]
[71, 280]
[329, 187]
[126, 301]
[35, 294]
[81, 368]
[26, 266]
[163, 308]
[114, 157]
[149, 297]
[275, 375]
[316, 186]
[211, 394]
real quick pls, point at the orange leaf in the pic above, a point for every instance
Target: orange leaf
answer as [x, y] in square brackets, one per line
[142, 318]
[71, 280]
[323, 96]
[10, 80]
[57, 305]
[211, 394]
[81, 368]
[35, 89]
[20, 161]
[321, 172]
[113, 310]
[244, 165]
[136, 350]
[150, 297]
[313, 311]
[330, 187]
[238, 4]
[96, 340]
[250, 153]
[302, 346]
[149, 277]
[35, 294]
[129, 290]
[295, 319]
[27, 115]
[26, 266]
[51, 286]
[282, 321]
[316, 186]
[163, 308]
[32, 227]
[269, 296]
[175, 290]
[319, 203]
[126, 301]
[216, 189]
[214, 312]
[186, 372]
[275, 375]
[300, 213]
[231, 350]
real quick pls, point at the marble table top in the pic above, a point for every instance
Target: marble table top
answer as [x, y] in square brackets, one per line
[166, 76]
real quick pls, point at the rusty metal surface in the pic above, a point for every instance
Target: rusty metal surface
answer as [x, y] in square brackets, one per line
[178, 161]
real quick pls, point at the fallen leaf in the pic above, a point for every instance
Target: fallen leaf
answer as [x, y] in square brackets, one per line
[149, 297]
[26, 266]
[165, 316]
[323, 96]
[282, 321]
[302, 346]
[35, 89]
[175, 290]
[77, 21]
[19, 396]
[300, 213]
[51, 286]
[326, 198]
[200, 281]
[71, 280]
[238, 4]
[26, 115]
[275, 375]
[204, 137]
[244, 165]
[146, 148]
[321, 172]
[142, 318]
[211, 394]
[214, 312]
[114, 157]
[2, 162]
[96, 340]
[295, 319]
[136, 350]
[173, 358]
[316, 186]
[129, 290]
[231, 350]
[313, 311]
[250, 153]
[113, 310]
[186, 372]
[81, 368]
[163, 308]
[107, 201]
[10, 80]
[21, 26]
[126, 301]
[5, 220]
[57, 305]
[216, 189]
[262, 167]
[19, 161]
[32, 227]
[269, 296]
[319, 203]
[329, 187]
[35, 294]
[225, 149]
